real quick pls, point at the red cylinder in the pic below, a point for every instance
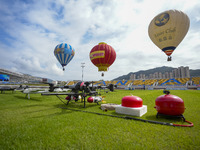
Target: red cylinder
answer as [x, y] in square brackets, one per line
[132, 101]
[170, 105]
[90, 99]
[68, 98]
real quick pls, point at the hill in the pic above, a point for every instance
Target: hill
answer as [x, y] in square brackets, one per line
[193, 73]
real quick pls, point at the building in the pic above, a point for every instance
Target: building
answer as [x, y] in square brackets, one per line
[167, 75]
[170, 75]
[180, 72]
[160, 75]
[156, 75]
[132, 76]
[19, 77]
[14, 76]
[187, 72]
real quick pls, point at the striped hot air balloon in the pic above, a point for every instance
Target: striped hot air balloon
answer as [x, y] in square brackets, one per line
[102, 56]
[64, 54]
[168, 29]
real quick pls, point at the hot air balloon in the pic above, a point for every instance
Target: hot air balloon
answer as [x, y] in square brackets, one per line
[64, 53]
[168, 29]
[102, 56]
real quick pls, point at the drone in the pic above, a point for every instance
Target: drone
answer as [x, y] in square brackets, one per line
[80, 90]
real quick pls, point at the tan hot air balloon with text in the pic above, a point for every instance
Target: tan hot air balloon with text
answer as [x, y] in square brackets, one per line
[168, 29]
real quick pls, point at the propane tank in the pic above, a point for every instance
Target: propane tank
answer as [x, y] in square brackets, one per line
[169, 104]
[94, 99]
[68, 97]
[132, 101]
[131, 105]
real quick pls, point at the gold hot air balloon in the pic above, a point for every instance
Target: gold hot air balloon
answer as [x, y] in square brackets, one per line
[168, 29]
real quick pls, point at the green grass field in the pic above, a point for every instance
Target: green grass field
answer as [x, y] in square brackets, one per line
[40, 123]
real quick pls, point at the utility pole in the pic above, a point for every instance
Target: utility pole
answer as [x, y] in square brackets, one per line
[82, 65]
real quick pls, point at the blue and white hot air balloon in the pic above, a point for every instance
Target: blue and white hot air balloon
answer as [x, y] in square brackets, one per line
[64, 53]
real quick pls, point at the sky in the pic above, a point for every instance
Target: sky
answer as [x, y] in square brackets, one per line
[31, 29]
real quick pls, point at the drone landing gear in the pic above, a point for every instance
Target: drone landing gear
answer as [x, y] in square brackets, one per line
[61, 99]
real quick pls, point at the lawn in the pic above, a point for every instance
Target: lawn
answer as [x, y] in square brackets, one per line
[41, 123]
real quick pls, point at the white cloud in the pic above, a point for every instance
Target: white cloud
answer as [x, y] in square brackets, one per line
[35, 28]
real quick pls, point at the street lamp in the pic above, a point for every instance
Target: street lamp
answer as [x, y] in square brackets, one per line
[82, 65]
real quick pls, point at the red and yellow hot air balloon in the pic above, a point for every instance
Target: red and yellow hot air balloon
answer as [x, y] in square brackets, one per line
[102, 56]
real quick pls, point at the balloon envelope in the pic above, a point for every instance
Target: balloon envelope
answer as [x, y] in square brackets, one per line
[168, 29]
[102, 56]
[64, 53]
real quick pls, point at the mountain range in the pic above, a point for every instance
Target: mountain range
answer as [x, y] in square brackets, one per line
[163, 69]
